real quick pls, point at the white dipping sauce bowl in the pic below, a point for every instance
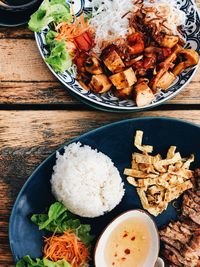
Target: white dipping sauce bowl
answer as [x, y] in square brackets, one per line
[152, 258]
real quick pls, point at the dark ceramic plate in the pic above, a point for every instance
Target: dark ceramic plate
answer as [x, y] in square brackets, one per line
[116, 141]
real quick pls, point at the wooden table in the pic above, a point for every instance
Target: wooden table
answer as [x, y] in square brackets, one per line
[38, 115]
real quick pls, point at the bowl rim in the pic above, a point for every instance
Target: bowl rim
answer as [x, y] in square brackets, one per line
[120, 215]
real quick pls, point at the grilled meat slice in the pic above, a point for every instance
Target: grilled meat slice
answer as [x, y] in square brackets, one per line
[195, 244]
[182, 238]
[180, 258]
[198, 193]
[175, 235]
[189, 254]
[197, 173]
[192, 214]
[192, 226]
[188, 201]
[193, 196]
[174, 243]
[171, 257]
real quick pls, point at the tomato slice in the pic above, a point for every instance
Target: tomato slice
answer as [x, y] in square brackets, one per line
[83, 41]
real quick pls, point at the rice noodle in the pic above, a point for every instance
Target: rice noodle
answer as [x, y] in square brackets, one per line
[111, 18]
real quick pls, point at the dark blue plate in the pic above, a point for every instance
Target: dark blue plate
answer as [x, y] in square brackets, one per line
[116, 141]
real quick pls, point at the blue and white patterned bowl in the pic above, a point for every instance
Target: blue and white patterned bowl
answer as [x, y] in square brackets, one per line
[108, 101]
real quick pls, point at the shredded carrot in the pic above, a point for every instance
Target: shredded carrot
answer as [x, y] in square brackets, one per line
[67, 246]
[69, 31]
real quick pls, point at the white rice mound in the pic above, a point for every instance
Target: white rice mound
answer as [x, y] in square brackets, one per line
[86, 181]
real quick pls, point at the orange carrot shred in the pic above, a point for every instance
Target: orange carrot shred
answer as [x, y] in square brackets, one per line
[69, 31]
[67, 246]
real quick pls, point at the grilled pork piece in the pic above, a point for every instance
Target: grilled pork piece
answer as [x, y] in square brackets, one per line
[192, 214]
[193, 196]
[181, 239]
[171, 258]
[188, 201]
[185, 261]
[189, 224]
[195, 244]
[174, 243]
[175, 235]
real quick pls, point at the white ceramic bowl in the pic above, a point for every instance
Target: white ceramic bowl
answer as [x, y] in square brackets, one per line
[150, 261]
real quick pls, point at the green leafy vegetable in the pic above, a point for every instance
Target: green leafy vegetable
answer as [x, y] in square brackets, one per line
[59, 58]
[50, 38]
[49, 11]
[60, 263]
[26, 261]
[59, 219]
[83, 232]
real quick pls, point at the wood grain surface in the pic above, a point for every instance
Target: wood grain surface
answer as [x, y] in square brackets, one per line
[38, 115]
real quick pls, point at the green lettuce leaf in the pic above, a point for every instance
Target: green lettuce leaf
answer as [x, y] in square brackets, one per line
[50, 38]
[83, 232]
[60, 263]
[59, 219]
[26, 261]
[49, 11]
[59, 58]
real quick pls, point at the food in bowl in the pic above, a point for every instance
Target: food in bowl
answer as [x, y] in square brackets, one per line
[86, 181]
[128, 242]
[133, 49]
[158, 181]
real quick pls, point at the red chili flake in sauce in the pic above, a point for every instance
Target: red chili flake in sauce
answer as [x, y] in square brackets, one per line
[133, 238]
[125, 234]
[115, 254]
[127, 251]
[113, 263]
[123, 259]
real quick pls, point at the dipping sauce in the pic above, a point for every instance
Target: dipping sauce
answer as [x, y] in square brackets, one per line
[128, 244]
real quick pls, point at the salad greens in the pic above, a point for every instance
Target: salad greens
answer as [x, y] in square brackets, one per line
[53, 11]
[59, 58]
[49, 11]
[26, 261]
[50, 38]
[59, 219]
